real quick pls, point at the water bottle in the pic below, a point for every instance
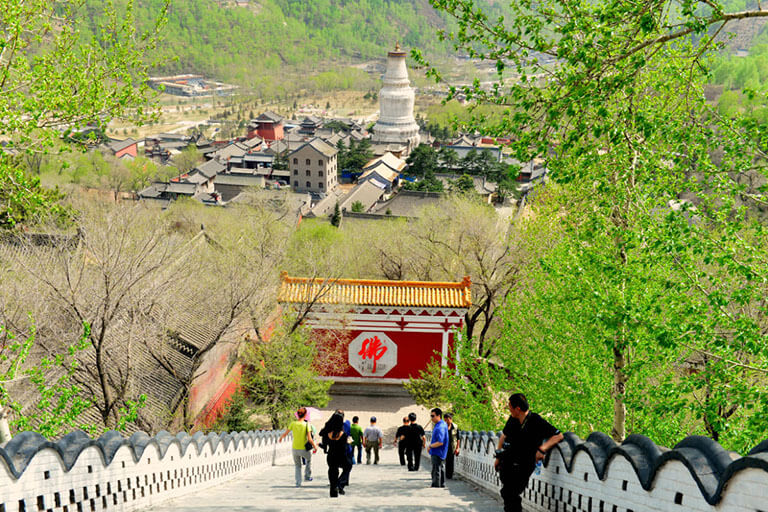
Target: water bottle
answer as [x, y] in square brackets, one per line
[537, 471]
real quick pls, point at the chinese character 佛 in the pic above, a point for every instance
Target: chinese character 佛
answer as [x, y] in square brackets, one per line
[373, 349]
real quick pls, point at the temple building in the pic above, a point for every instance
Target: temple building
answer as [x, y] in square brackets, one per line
[268, 126]
[379, 333]
[396, 125]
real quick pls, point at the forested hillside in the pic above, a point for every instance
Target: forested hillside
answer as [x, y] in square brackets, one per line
[241, 42]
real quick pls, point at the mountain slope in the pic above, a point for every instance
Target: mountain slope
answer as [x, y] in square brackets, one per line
[242, 41]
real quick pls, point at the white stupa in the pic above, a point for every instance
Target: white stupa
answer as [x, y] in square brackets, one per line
[396, 123]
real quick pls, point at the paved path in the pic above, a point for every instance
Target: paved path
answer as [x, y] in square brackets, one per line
[389, 412]
[386, 487]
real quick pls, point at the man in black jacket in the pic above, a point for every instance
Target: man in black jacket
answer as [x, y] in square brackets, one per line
[415, 440]
[525, 440]
[400, 437]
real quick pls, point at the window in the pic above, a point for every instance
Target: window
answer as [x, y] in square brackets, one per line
[320, 163]
[296, 160]
[320, 184]
[309, 173]
[321, 174]
[295, 172]
[309, 185]
[296, 183]
[308, 161]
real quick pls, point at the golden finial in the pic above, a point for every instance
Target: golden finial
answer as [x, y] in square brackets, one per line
[397, 46]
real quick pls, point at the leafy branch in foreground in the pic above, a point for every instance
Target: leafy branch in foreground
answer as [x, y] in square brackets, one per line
[54, 82]
[559, 63]
[56, 402]
[648, 311]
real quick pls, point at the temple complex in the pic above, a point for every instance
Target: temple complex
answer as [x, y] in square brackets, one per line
[396, 123]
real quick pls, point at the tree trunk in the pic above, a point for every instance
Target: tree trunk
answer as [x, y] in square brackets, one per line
[5, 431]
[618, 432]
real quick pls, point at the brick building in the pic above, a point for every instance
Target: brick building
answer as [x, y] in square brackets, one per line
[313, 167]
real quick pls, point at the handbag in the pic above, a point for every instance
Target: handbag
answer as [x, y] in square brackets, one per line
[308, 445]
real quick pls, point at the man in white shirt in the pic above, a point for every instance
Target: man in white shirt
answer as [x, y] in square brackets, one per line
[373, 438]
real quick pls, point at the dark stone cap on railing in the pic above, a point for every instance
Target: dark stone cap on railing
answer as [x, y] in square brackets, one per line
[710, 465]
[19, 451]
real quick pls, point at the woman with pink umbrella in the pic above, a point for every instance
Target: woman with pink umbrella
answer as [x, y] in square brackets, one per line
[303, 444]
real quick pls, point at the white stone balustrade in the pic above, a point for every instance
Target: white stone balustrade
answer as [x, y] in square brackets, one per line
[598, 475]
[78, 474]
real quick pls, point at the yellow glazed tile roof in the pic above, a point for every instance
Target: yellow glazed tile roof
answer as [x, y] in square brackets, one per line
[368, 292]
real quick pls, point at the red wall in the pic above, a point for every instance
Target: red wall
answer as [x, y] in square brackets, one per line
[130, 150]
[414, 352]
[270, 131]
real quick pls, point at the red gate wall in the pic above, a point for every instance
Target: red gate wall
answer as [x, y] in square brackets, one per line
[415, 350]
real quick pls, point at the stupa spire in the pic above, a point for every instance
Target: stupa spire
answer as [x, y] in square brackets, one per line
[396, 123]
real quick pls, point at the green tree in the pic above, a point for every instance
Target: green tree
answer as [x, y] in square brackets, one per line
[55, 78]
[58, 402]
[429, 183]
[358, 207]
[187, 159]
[279, 375]
[356, 156]
[281, 161]
[236, 416]
[422, 161]
[336, 216]
[640, 277]
[449, 159]
[462, 184]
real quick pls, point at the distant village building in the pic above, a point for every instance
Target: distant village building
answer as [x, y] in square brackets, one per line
[365, 193]
[313, 167]
[396, 123]
[123, 148]
[530, 175]
[190, 86]
[269, 126]
[384, 171]
[310, 125]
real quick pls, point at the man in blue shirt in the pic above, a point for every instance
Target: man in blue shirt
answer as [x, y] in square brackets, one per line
[438, 448]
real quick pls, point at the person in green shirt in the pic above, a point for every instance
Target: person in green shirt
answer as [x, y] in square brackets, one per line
[302, 435]
[357, 439]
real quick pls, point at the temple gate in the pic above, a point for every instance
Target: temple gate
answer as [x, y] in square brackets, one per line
[389, 330]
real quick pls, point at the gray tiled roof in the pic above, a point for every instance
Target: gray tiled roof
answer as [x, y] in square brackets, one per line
[182, 188]
[232, 150]
[277, 147]
[334, 139]
[311, 120]
[210, 168]
[194, 177]
[269, 117]
[320, 146]
[366, 192]
[408, 203]
[259, 157]
[120, 145]
[240, 180]
[252, 142]
[205, 197]
[154, 191]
